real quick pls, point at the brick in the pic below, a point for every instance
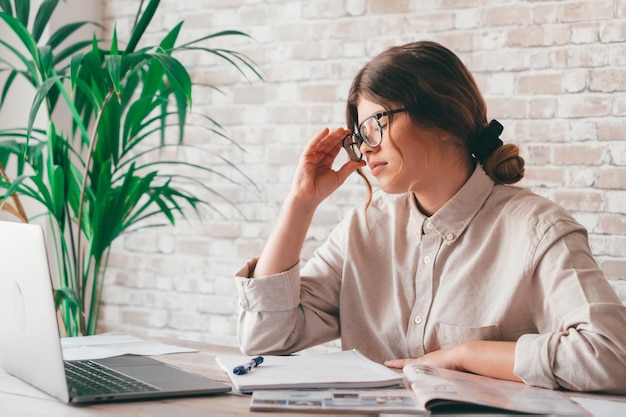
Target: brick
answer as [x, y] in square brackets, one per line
[435, 21]
[525, 36]
[545, 13]
[578, 106]
[611, 178]
[579, 177]
[584, 33]
[616, 56]
[544, 177]
[616, 201]
[612, 31]
[507, 107]
[616, 270]
[574, 81]
[577, 11]
[385, 7]
[579, 154]
[537, 154]
[318, 93]
[459, 41]
[538, 59]
[506, 15]
[612, 223]
[539, 84]
[499, 60]
[583, 200]
[607, 81]
[468, 18]
[542, 108]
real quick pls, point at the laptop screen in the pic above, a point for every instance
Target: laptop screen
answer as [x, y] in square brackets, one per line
[30, 347]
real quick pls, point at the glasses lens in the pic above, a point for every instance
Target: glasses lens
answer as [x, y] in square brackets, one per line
[353, 147]
[371, 131]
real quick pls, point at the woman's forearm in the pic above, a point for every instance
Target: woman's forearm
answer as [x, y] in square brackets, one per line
[489, 358]
[283, 248]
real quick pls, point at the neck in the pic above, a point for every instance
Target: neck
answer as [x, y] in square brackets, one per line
[442, 187]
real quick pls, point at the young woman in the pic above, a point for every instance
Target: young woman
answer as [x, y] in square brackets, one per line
[446, 265]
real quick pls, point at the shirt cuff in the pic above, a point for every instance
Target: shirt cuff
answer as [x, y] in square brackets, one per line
[279, 292]
[533, 361]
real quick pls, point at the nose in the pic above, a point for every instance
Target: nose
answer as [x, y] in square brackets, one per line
[366, 149]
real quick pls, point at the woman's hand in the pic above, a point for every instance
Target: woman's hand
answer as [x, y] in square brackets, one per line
[482, 357]
[444, 358]
[315, 179]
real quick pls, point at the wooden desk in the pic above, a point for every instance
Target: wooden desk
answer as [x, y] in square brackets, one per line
[19, 399]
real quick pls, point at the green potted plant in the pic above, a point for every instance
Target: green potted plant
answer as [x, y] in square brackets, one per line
[106, 175]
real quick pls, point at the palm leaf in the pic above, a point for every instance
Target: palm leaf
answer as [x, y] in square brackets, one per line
[142, 24]
[40, 96]
[42, 17]
[22, 11]
[65, 31]
[19, 28]
[6, 7]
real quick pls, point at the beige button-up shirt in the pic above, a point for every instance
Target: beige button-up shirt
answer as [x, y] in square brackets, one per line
[494, 263]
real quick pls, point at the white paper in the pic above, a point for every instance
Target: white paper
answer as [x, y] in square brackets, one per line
[601, 408]
[107, 345]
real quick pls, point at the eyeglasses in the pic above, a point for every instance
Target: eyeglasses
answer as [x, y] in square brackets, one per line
[369, 131]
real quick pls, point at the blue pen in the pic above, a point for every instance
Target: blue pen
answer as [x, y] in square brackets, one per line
[247, 367]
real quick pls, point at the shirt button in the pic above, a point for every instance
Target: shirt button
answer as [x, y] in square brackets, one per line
[429, 225]
[426, 259]
[449, 236]
[417, 319]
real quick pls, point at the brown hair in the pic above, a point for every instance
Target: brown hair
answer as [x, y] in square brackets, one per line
[438, 91]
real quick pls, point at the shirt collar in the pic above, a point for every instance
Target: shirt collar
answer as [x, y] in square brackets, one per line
[451, 220]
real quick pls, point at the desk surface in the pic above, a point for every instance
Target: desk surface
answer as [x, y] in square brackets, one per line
[20, 399]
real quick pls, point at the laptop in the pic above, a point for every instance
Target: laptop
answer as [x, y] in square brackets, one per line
[30, 345]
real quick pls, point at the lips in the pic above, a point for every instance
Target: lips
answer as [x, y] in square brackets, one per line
[376, 166]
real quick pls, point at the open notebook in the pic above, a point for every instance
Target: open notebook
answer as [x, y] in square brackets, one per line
[345, 369]
[30, 346]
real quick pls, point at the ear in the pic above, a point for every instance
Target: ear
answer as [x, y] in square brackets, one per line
[444, 136]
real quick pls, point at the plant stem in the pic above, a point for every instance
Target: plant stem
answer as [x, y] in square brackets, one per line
[81, 201]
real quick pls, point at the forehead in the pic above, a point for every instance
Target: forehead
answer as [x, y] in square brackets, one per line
[366, 108]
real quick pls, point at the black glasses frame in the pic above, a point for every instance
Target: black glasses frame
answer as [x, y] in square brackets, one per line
[352, 142]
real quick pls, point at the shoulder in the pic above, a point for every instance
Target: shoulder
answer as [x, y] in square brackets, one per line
[517, 205]
[384, 211]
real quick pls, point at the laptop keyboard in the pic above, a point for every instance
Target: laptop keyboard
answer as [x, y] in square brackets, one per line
[90, 378]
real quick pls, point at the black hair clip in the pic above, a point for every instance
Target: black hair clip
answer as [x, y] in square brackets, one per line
[487, 141]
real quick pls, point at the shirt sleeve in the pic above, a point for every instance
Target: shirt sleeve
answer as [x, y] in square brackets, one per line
[581, 343]
[293, 310]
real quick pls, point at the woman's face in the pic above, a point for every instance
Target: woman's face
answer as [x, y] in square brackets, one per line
[400, 163]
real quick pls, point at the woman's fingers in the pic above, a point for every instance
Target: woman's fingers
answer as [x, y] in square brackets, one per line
[399, 363]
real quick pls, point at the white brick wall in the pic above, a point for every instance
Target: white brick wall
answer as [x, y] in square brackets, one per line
[553, 72]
